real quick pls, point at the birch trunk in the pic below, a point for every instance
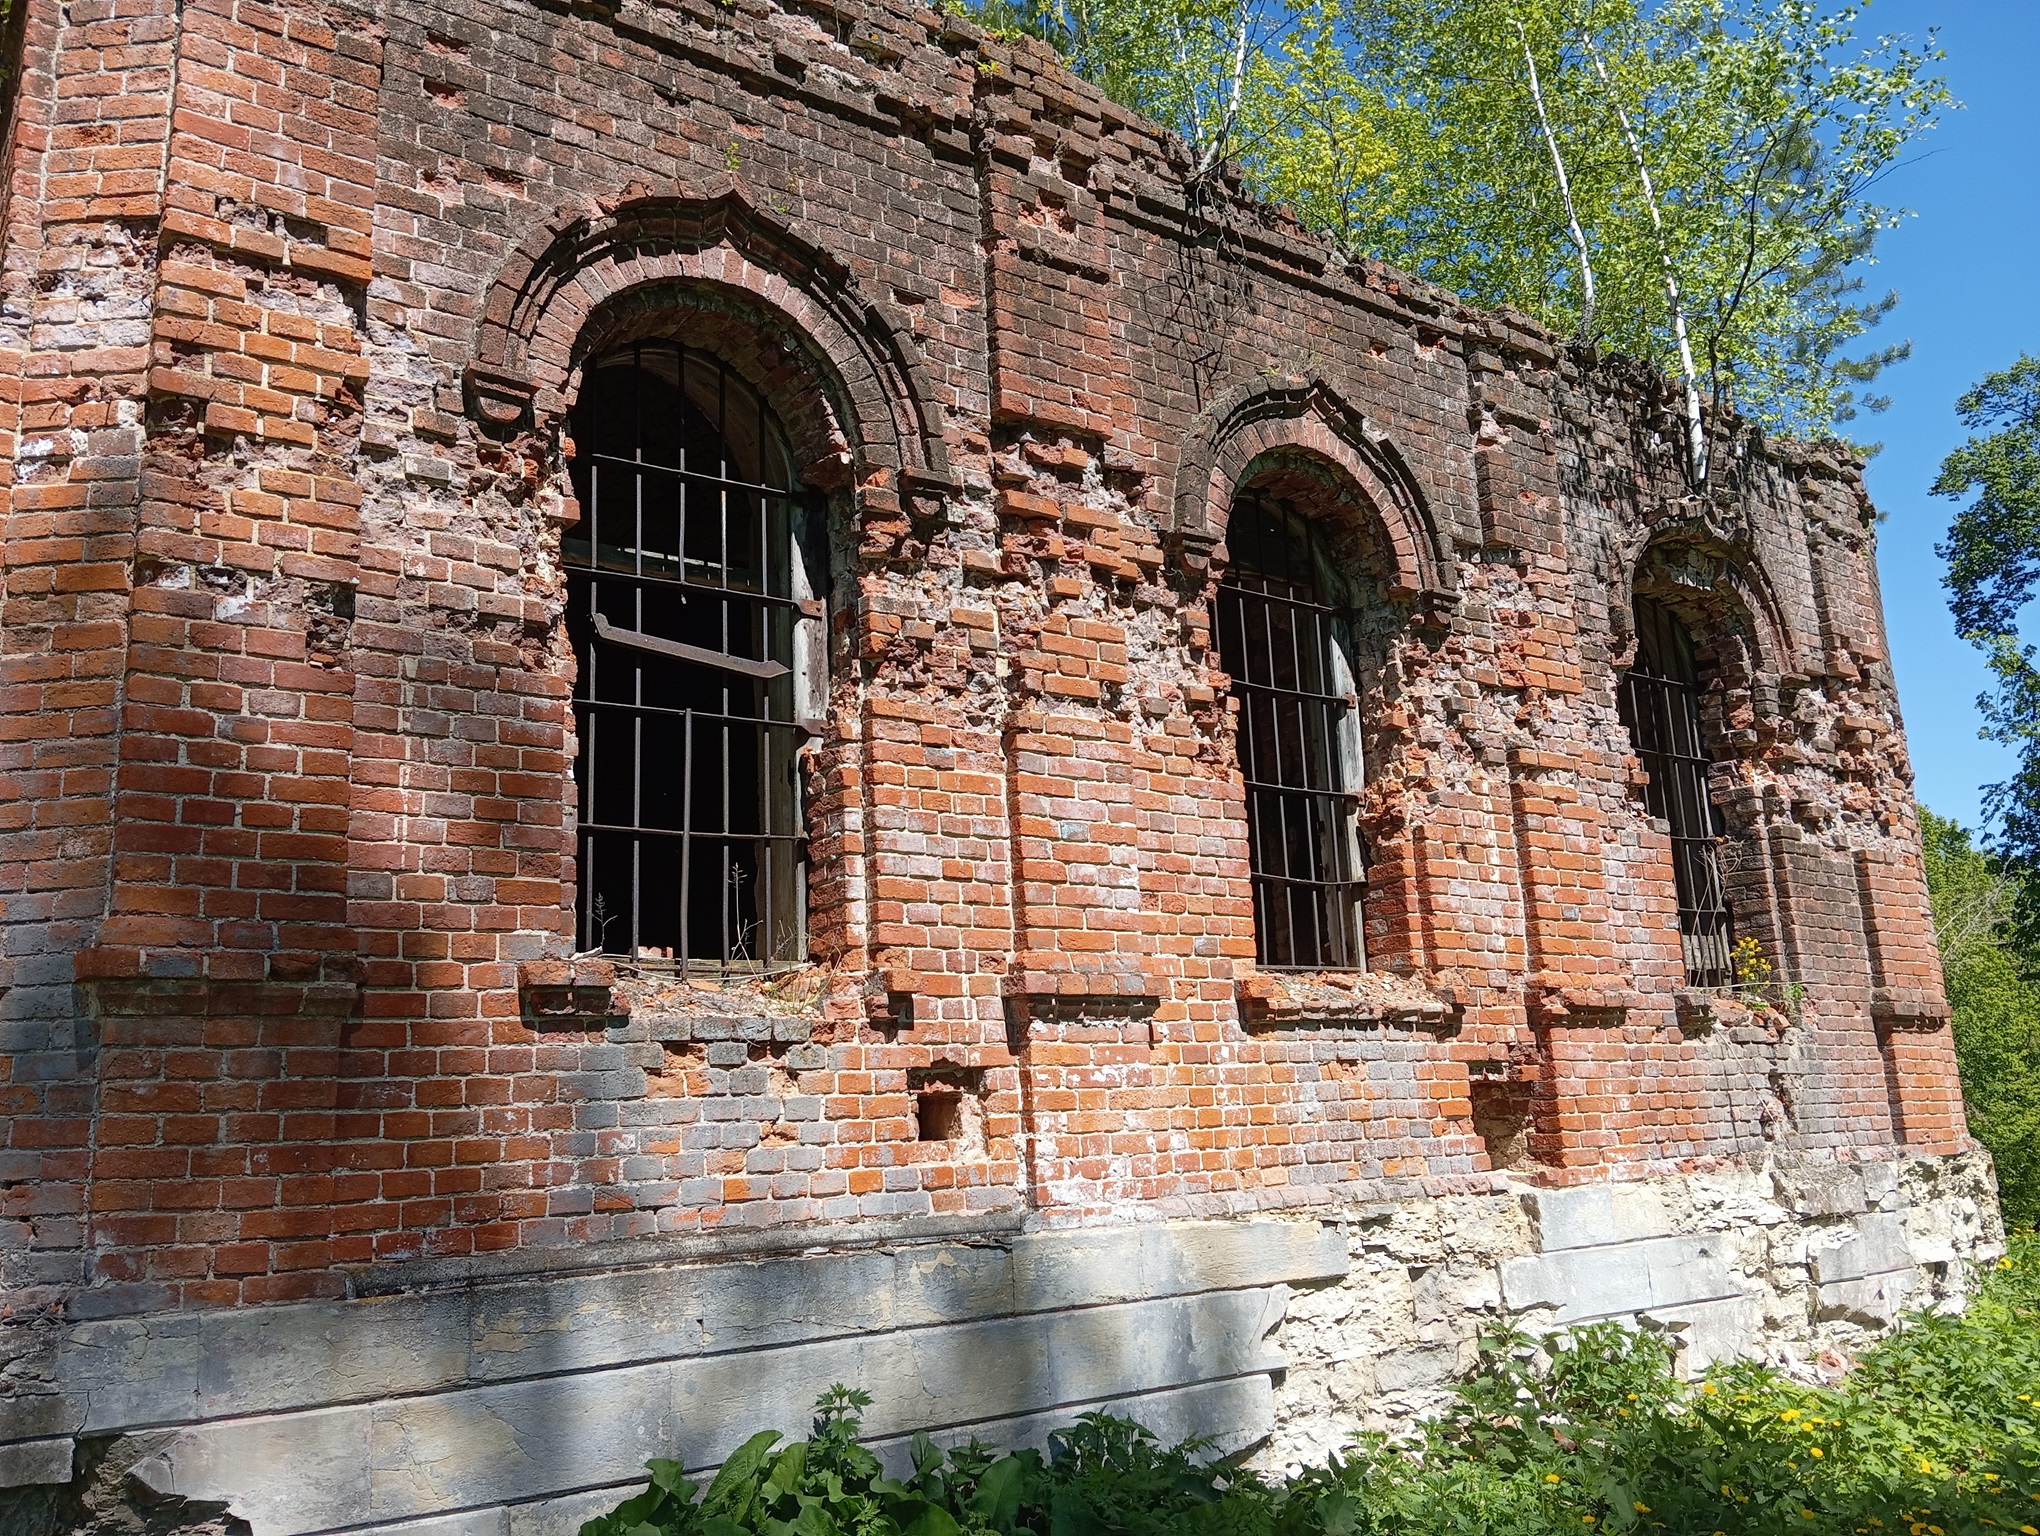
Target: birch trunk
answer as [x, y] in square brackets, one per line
[1696, 423]
[1572, 217]
[1222, 133]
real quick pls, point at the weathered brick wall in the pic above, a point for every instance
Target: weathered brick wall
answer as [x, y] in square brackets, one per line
[295, 300]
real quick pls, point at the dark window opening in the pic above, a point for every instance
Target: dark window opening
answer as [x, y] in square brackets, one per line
[1298, 740]
[1660, 704]
[694, 615]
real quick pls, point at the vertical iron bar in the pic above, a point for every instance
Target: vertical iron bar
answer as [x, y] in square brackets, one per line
[686, 838]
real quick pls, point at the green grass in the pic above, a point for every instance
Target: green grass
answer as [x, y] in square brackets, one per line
[1935, 1433]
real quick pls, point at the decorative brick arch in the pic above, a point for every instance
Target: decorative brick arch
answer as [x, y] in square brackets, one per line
[1724, 577]
[581, 274]
[1310, 417]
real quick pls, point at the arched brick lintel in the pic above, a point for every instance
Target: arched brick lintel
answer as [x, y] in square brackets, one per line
[1723, 576]
[711, 239]
[1309, 416]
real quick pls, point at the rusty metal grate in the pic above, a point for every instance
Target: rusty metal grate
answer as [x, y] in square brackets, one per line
[1298, 746]
[1660, 704]
[686, 594]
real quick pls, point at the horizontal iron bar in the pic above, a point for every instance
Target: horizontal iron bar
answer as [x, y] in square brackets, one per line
[699, 476]
[699, 834]
[1302, 880]
[1246, 594]
[1301, 789]
[701, 656]
[805, 727]
[1343, 700]
[711, 589]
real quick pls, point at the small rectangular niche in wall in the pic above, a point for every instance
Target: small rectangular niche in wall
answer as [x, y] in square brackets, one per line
[898, 1018]
[949, 1107]
[1502, 1116]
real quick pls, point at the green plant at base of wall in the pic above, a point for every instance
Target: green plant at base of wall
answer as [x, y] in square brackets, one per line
[1935, 1433]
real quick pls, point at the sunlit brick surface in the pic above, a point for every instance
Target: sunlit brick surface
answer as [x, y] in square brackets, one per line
[295, 300]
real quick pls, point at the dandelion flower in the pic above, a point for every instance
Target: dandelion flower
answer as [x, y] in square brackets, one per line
[1815, 1452]
[1551, 1477]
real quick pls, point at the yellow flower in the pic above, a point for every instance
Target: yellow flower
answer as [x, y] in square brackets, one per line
[1709, 1388]
[1815, 1452]
[1551, 1477]
[1639, 1506]
[1789, 1415]
[1926, 1465]
[1586, 1519]
[2029, 1530]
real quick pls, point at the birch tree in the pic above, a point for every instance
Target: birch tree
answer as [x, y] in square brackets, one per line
[1691, 182]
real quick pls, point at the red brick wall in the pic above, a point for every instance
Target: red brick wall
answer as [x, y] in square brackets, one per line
[297, 298]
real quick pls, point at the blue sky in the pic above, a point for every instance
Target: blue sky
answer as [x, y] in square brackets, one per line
[1968, 273]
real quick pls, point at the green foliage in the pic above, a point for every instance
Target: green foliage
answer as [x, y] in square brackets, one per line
[1408, 130]
[1993, 555]
[1104, 1476]
[1936, 1433]
[1993, 974]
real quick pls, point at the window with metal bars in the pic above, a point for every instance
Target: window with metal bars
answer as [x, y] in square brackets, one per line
[1299, 742]
[1660, 704]
[694, 584]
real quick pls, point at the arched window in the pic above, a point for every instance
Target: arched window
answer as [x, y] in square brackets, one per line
[1660, 704]
[1299, 742]
[694, 586]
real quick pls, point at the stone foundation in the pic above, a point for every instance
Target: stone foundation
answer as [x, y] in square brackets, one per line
[1798, 1264]
[471, 1399]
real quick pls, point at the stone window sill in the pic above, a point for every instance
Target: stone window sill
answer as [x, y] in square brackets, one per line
[1313, 999]
[1703, 1010]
